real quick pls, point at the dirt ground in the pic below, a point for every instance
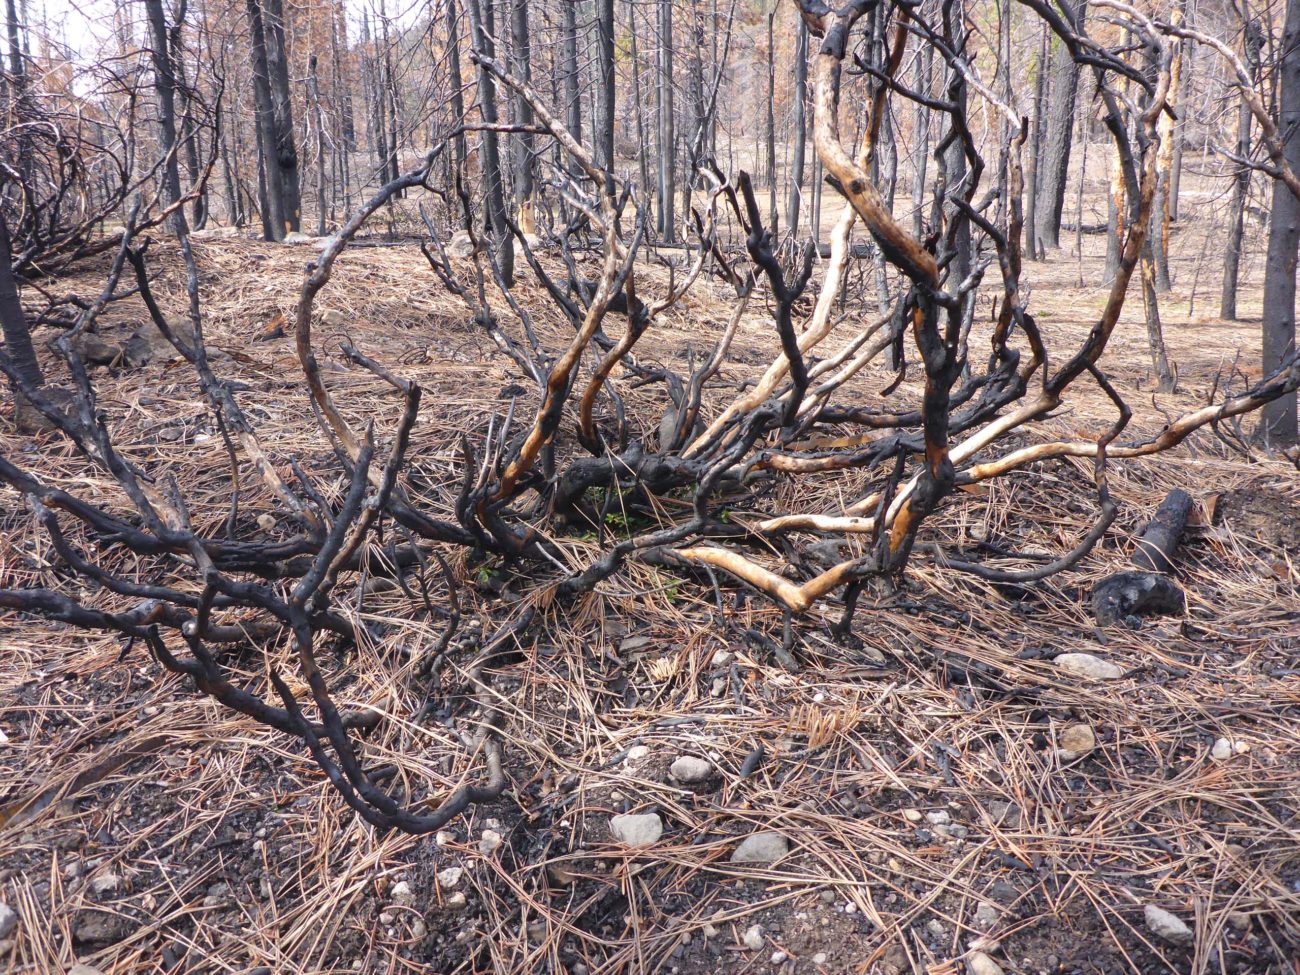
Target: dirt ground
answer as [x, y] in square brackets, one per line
[918, 773]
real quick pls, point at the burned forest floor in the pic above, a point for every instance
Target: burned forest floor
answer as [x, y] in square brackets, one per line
[941, 794]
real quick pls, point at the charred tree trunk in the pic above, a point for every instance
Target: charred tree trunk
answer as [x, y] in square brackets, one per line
[1057, 139]
[482, 23]
[523, 141]
[18, 339]
[569, 65]
[286, 149]
[270, 187]
[921, 128]
[165, 85]
[667, 139]
[1236, 218]
[1278, 422]
[1032, 173]
[770, 145]
[800, 96]
[606, 94]
[457, 82]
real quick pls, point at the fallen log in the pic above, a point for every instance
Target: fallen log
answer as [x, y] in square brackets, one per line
[1159, 541]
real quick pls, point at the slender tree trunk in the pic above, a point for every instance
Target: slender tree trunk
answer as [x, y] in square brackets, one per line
[1236, 217]
[165, 85]
[921, 128]
[523, 142]
[800, 96]
[771, 122]
[1164, 206]
[270, 187]
[457, 82]
[667, 140]
[638, 106]
[1033, 183]
[1180, 128]
[606, 94]
[18, 339]
[1056, 143]
[482, 22]
[569, 65]
[1278, 422]
[314, 86]
[286, 150]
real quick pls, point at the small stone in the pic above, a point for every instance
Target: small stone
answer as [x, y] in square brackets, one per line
[457, 901]
[827, 896]
[1088, 665]
[936, 929]
[8, 921]
[753, 938]
[986, 944]
[444, 838]
[721, 658]
[401, 893]
[689, 770]
[105, 883]
[1239, 920]
[633, 829]
[266, 522]
[419, 929]
[1076, 741]
[333, 317]
[819, 958]
[987, 916]
[1166, 926]
[778, 957]
[978, 963]
[1222, 750]
[764, 847]
[387, 917]
[449, 877]
[939, 817]
[709, 931]
[637, 752]
[490, 842]
[913, 815]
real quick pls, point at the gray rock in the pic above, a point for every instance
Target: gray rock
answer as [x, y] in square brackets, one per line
[490, 842]
[8, 921]
[1088, 665]
[96, 927]
[633, 829]
[764, 847]
[688, 769]
[1166, 926]
[401, 893]
[987, 916]
[753, 937]
[147, 343]
[105, 883]
[978, 963]
[939, 817]
[1076, 741]
[96, 350]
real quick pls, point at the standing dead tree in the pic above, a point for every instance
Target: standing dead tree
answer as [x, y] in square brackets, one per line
[566, 453]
